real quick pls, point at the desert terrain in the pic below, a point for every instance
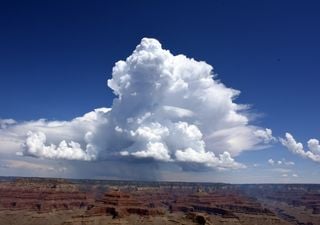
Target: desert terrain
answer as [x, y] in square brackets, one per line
[37, 201]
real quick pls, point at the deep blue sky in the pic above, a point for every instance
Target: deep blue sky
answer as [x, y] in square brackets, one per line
[55, 56]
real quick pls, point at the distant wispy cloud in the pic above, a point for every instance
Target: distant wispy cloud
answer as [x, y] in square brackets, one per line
[24, 165]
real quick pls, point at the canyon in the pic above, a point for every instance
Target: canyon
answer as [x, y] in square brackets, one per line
[36, 201]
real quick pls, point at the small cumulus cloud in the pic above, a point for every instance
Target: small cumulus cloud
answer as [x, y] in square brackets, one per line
[266, 135]
[282, 162]
[297, 148]
[271, 162]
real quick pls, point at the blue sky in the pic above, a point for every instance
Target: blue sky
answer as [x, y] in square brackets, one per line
[55, 58]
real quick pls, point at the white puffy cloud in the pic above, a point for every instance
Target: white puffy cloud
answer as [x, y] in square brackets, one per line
[35, 145]
[265, 135]
[292, 145]
[168, 108]
[208, 158]
[297, 148]
[282, 162]
[314, 146]
[49, 139]
[271, 162]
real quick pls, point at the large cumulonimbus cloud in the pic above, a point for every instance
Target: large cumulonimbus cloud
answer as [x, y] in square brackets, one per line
[167, 108]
